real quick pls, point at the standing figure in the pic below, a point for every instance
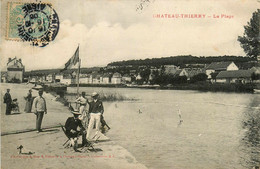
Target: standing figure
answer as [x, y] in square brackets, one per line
[28, 105]
[8, 102]
[39, 106]
[82, 100]
[96, 109]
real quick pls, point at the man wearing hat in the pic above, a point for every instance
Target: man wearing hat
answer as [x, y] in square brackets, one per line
[39, 108]
[8, 102]
[74, 128]
[96, 109]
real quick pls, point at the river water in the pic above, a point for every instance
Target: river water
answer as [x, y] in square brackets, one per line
[218, 130]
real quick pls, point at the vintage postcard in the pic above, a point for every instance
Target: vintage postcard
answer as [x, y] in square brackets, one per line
[158, 84]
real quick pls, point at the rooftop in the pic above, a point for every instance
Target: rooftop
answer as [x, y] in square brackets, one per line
[219, 65]
[235, 74]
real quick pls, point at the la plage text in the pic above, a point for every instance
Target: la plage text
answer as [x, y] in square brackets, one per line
[199, 16]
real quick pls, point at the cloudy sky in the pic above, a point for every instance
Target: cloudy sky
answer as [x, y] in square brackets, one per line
[114, 30]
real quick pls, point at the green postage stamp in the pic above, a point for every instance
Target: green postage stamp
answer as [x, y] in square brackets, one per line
[37, 23]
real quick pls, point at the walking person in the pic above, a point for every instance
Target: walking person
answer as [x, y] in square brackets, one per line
[96, 109]
[8, 102]
[39, 106]
[28, 105]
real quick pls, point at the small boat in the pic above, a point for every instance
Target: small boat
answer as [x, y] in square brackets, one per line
[257, 91]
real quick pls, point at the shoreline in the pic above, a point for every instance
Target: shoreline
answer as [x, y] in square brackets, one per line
[199, 86]
[203, 87]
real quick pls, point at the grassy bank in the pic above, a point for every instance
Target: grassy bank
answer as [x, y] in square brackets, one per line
[97, 85]
[108, 97]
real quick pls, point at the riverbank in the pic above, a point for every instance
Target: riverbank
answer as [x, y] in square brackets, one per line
[214, 87]
[200, 86]
[46, 148]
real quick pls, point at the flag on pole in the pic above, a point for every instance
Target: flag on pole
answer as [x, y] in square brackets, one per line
[72, 61]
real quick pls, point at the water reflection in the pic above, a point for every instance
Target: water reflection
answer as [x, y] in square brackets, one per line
[250, 143]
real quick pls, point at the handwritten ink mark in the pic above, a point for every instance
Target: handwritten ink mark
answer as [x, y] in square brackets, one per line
[142, 5]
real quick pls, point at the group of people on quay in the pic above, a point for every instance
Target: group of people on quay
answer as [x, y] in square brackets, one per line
[86, 119]
[37, 105]
[87, 116]
[12, 104]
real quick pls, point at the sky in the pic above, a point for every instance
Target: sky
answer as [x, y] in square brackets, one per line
[115, 30]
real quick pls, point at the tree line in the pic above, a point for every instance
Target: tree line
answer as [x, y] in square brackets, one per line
[181, 60]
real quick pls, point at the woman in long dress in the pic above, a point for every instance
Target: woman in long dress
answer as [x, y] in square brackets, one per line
[28, 105]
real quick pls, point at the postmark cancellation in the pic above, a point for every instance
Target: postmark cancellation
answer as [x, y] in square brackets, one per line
[37, 23]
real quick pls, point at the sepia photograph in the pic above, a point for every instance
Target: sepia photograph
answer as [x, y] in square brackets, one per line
[130, 84]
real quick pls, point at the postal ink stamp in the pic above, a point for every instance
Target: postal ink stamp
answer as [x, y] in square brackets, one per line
[37, 23]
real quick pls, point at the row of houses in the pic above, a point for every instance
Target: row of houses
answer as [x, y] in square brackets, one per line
[188, 72]
[228, 72]
[220, 72]
[92, 78]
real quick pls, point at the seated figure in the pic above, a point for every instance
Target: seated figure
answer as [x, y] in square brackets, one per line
[74, 129]
[15, 105]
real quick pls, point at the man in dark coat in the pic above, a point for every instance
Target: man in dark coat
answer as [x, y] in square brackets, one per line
[74, 128]
[8, 102]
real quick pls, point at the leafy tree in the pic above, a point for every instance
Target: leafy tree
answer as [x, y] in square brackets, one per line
[255, 76]
[101, 70]
[181, 60]
[140, 81]
[180, 80]
[161, 80]
[250, 41]
[155, 74]
[145, 74]
[162, 69]
[199, 77]
[214, 75]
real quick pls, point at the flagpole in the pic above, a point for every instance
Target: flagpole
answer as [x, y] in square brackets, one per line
[78, 77]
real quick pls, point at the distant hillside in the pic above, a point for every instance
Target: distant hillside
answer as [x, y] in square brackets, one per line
[181, 60]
